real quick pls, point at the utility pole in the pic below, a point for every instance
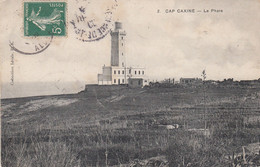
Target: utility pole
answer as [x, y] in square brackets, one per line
[204, 103]
[106, 153]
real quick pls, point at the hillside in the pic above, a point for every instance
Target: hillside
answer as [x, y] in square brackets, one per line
[117, 125]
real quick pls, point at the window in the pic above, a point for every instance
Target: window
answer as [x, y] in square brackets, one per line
[130, 71]
[143, 72]
[139, 72]
[114, 80]
[139, 82]
[122, 37]
[122, 54]
[118, 71]
[122, 44]
[135, 72]
[123, 72]
[123, 64]
[123, 81]
[118, 81]
[115, 72]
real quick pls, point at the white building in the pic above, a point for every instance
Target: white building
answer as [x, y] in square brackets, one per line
[118, 72]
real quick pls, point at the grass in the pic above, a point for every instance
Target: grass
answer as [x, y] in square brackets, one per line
[29, 151]
[78, 130]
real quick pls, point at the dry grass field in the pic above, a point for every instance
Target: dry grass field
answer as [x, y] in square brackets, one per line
[131, 127]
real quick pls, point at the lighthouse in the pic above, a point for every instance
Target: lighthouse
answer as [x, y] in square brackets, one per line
[118, 73]
[118, 36]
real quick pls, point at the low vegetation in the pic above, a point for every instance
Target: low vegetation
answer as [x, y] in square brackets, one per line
[129, 126]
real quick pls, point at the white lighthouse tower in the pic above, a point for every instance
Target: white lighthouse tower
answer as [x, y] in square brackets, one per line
[118, 46]
[118, 73]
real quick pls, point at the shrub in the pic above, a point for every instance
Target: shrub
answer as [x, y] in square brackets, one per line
[34, 154]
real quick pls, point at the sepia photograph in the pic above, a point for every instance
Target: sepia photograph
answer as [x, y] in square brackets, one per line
[117, 83]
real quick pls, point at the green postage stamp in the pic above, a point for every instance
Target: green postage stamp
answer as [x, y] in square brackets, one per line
[44, 18]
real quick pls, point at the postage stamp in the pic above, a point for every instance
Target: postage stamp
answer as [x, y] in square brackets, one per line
[45, 18]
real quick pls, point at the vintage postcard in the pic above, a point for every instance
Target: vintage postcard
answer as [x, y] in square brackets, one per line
[137, 83]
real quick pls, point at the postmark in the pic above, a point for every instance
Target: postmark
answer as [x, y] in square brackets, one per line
[44, 18]
[30, 46]
[94, 19]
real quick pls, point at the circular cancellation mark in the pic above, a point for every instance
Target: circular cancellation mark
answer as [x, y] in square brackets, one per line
[31, 47]
[93, 20]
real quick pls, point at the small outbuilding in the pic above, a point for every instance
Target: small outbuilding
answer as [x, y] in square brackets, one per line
[135, 82]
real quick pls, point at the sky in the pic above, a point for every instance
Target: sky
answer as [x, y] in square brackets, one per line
[169, 45]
